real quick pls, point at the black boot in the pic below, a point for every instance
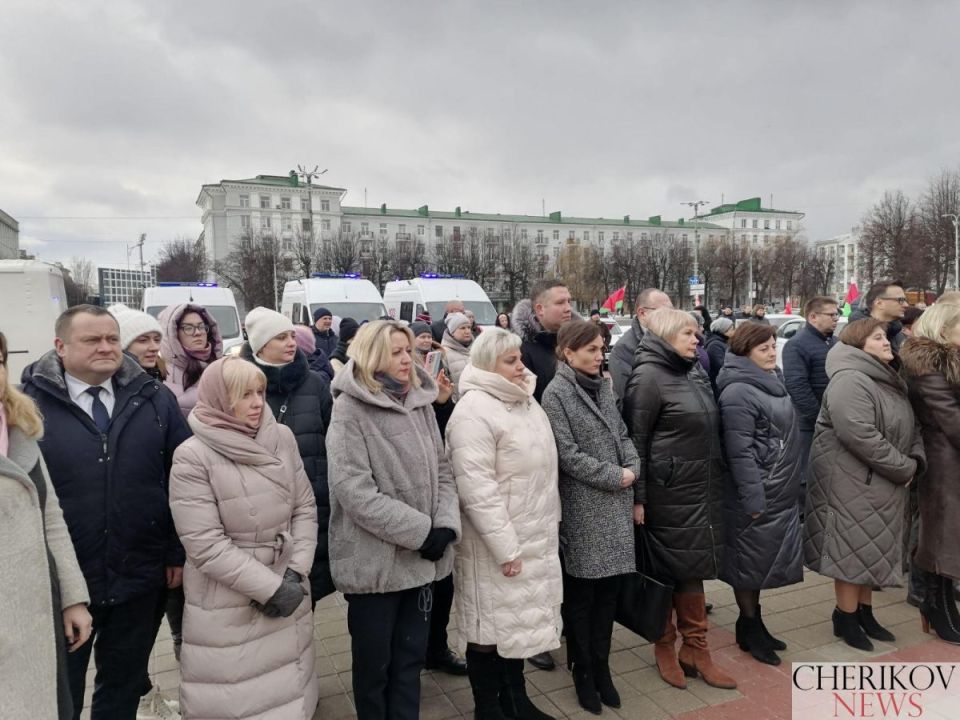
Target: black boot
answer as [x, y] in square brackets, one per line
[605, 687]
[870, 625]
[514, 701]
[846, 625]
[484, 671]
[939, 608]
[751, 639]
[773, 642]
[446, 661]
[542, 661]
[586, 688]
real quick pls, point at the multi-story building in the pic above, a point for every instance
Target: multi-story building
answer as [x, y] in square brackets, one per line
[9, 237]
[750, 222]
[841, 256]
[120, 285]
[283, 207]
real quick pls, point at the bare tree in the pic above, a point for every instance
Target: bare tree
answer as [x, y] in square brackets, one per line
[888, 241]
[343, 253]
[306, 255]
[255, 268]
[516, 265]
[81, 270]
[378, 261]
[182, 260]
[941, 196]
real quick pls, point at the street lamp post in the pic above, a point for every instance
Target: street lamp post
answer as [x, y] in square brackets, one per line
[955, 219]
[696, 204]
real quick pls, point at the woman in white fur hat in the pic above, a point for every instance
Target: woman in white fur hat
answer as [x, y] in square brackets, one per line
[140, 335]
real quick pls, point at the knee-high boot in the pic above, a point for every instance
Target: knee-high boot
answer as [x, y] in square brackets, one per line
[665, 652]
[694, 655]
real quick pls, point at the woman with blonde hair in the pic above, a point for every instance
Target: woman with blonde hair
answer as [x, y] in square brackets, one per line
[43, 607]
[674, 422]
[931, 364]
[246, 516]
[508, 580]
[393, 514]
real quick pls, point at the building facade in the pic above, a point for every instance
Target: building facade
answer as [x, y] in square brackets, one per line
[9, 237]
[120, 285]
[841, 257]
[750, 222]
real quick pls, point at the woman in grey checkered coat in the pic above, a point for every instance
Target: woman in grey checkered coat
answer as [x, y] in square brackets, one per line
[598, 465]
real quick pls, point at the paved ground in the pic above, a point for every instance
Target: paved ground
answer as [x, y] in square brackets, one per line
[800, 615]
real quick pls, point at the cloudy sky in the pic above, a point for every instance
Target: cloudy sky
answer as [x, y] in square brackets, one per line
[112, 115]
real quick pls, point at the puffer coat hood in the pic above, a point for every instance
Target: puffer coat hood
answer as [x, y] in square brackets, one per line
[245, 513]
[175, 356]
[504, 458]
[866, 448]
[932, 370]
[762, 443]
[674, 422]
[390, 483]
[300, 399]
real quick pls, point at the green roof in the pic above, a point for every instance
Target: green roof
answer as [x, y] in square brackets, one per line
[291, 180]
[749, 205]
[553, 219]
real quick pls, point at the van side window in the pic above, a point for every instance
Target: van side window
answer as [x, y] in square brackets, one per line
[406, 311]
[420, 310]
[305, 318]
[295, 313]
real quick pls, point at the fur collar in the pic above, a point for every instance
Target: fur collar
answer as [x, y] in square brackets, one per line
[923, 356]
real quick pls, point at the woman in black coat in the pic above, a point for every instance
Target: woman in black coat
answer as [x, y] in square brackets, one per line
[762, 442]
[674, 423]
[721, 330]
[300, 399]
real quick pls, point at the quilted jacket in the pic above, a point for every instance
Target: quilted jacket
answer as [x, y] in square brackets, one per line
[674, 423]
[933, 375]
[504, 459]
[762, 443]
[866, 448]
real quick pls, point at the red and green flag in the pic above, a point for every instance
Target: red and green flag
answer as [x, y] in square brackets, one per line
[850, 299]
[614, 303]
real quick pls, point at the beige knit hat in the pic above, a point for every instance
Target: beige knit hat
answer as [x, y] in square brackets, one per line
[262, 325]
[133, 323]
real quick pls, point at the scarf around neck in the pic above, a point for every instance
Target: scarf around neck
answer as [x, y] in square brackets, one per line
[393, 387]
[4, 431]
[213, 401]
[590, 383]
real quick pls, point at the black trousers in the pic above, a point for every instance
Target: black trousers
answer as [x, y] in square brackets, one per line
[438, 643]
[388, 633]
[590, 607]
[121, 642]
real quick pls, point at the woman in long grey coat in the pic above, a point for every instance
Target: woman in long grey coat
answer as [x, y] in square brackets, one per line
[866, 449]
[762, 444]
[598, 466]
[393, 514]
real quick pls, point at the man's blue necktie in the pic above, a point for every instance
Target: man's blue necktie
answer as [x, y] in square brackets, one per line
[101, 418]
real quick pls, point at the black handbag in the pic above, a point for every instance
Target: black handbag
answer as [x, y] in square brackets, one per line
[645, 602]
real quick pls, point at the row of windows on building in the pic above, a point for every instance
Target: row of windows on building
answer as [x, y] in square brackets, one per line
[766, 224]
[285, 203]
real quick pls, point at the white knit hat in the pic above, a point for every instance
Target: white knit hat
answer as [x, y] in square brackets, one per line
[262, 325]
[133, 323]
[456, 320]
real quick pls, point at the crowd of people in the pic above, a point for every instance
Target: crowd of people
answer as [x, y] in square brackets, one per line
[143, 473]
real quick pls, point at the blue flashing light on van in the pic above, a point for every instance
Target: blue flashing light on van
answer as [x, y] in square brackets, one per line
[351, 276]
[437, 276]
[187, 284]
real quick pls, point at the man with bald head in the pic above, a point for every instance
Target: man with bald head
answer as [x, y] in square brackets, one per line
[439, 324]
[621, 357]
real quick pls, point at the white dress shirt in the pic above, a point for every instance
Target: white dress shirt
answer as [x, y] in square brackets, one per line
[80, 396]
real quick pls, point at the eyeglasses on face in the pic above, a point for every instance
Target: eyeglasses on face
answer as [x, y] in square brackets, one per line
[193, 329]
[833, 315]
[901, 300]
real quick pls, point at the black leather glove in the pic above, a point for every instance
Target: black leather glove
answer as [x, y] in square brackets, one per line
[285, 600]
[436, 543]
[291, 575]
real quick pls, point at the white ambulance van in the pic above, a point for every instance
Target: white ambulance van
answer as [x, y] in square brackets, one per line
[219, 301]
[406, 299]
[345, 296]
[32, 297]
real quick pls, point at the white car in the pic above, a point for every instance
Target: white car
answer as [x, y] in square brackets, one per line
[789, 328]
[616, 332]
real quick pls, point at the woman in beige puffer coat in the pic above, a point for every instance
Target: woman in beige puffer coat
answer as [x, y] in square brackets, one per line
[507, 569]
[247, 518]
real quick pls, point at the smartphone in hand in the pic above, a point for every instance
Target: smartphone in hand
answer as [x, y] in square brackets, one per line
[434, 362]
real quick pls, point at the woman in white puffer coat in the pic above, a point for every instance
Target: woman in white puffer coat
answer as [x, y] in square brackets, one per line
[507, 570]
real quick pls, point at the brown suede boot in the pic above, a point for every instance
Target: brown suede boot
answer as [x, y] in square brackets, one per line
[665, 651]
[694, 656]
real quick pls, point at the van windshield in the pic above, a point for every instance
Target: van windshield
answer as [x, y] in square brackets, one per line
[482, 309]
[225, 315]
[359, 311]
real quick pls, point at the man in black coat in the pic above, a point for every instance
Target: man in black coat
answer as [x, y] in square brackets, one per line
[804, 370]
[538, 320]
[300, 399]
[622, 359]
[109, 435]
[886, 300]
[326, 338]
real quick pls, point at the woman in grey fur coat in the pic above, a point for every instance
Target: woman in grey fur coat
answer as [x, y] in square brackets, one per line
[598, 465]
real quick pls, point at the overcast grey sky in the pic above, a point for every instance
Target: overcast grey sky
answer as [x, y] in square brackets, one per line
[125, 109]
